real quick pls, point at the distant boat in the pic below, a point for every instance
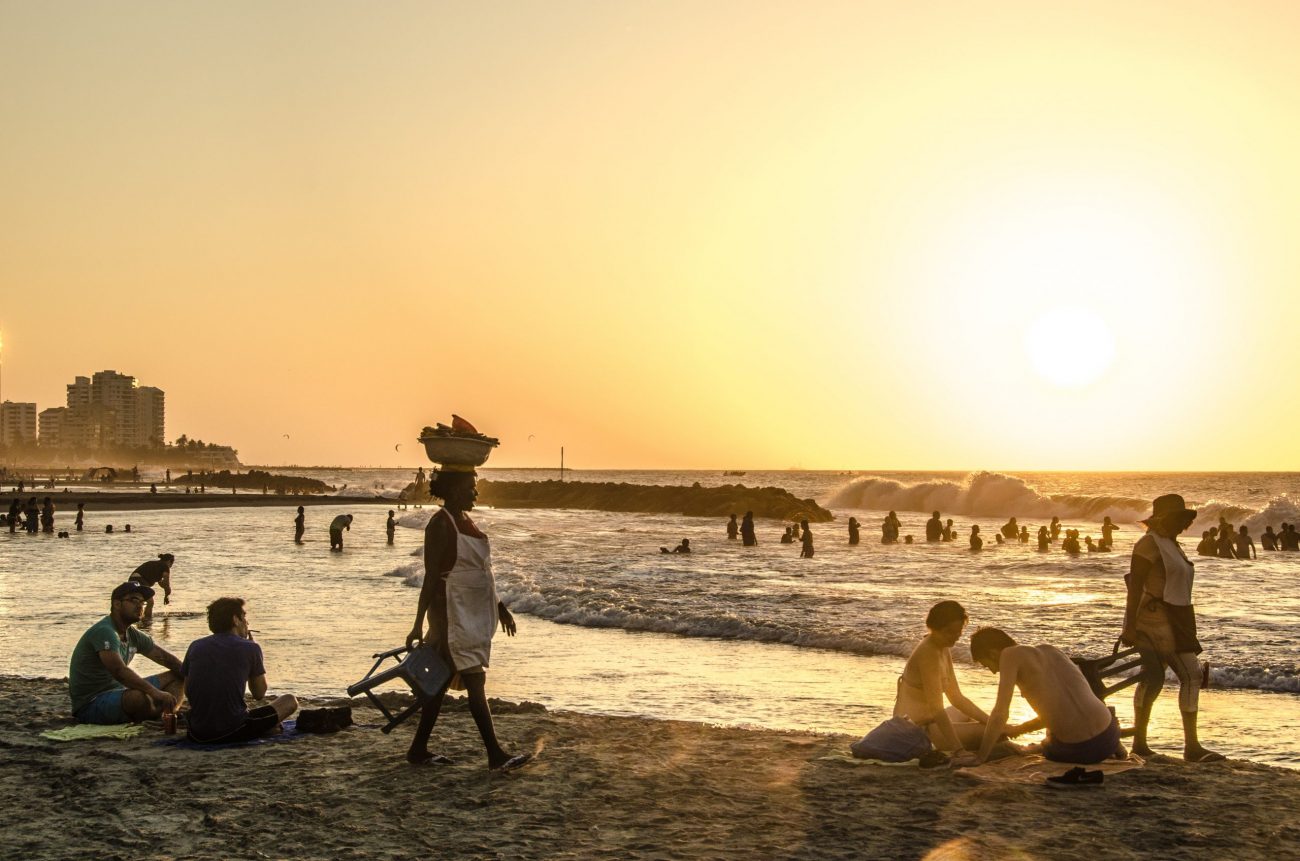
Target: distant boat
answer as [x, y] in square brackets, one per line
[734, 472]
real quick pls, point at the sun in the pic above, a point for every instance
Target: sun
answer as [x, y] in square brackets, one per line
[1070, 346]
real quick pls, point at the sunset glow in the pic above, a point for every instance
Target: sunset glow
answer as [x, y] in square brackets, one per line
[826, 240]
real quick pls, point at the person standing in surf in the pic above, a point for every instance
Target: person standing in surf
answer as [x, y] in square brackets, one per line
[747, 536]
[459, 600]
[1160, 620]
[299, 525]
[806, 552]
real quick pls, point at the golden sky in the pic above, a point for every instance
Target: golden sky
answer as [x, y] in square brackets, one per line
[716, 235]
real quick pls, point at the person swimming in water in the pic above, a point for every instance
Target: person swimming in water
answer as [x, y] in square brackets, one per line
[684, 547]
[1227, 542]
[1207, 546]
[975, 541]
[1107, 532]
[806, 552]
[787, 537]
[733, 529]
[1268, 540]
[1043, 540]
[1055, 528]
[1010, 529]
[299, 525]
[1245, 546]
[854, 531]
[934, 528]
[890, 528]
[1071, 543]
[948, 533]
[747, 536]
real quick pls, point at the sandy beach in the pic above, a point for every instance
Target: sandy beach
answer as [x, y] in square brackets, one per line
[599, 787]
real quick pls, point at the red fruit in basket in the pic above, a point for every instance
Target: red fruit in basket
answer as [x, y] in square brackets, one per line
[459, 424]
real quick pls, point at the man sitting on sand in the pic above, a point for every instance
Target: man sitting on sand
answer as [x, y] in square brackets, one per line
[216, 670]
[1080, 729]
[104, 689]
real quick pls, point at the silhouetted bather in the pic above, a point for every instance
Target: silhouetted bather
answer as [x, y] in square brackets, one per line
[1071, 543]
[948, 533]
[733, 528]
[787, 537]
[747, 536]
[1107, 533]
[1055, 528]
[975, 541]
[889, 529]
[1010, 529]
[997, 536]
[807, 551]
[1245, 547]
[854, 534]
[684, 547]
[391, 526]
[1043, 539]
[1268, 540]
[934, 528]
[1227, 544]
[299, 525]
[1024, 535]
[1208, 545]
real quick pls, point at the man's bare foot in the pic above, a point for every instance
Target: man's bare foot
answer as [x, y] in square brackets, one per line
[1200, 754]
[1143, 750]
[425, 757]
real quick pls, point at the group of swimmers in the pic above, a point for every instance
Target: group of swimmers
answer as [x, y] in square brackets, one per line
[37, 517]
[1226, 542]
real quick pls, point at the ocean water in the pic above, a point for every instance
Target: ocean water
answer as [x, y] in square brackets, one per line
[747, 636]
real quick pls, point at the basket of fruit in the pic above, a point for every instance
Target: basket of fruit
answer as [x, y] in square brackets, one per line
[457, 444]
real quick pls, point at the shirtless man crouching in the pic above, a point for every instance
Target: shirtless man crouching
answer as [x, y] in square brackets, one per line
[1080, 728]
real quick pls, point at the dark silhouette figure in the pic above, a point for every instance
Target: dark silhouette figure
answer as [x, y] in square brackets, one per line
[787, 537]
[807, 551]
[854, 535]
[1055, 528]
[1268, 540]
[1245, 546]
[890, 528]
[47, 516]
[299, 525]
[997, 536]
[1010, 529]
[934, 528]
[747, 536]
[976, 543]
[684, 547]
[1208, 545]
[1044, 541]
[15, 514]
[733, 529]
[81, 515]
[1107, 533]
[390, 527]
[33, 516]
[1227, 544]
[1024, 535]
[948, 533]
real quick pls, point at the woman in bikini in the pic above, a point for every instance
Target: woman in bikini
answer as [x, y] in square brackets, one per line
[459, 599]
[928, 677]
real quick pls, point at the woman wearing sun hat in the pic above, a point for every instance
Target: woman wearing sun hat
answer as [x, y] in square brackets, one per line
[1161, 621]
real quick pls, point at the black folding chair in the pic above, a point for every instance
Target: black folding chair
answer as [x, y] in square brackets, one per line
[1115, 666]
[423, 669]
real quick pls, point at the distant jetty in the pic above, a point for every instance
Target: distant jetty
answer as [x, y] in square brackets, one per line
[256, 479]
[691, 501]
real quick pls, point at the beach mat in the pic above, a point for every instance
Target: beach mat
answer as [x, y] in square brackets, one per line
[1035, 769]
[80, 731]
[850, 759]
[289, 732]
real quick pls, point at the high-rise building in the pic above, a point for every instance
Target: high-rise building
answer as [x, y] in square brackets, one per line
[53, 422]
[150, 428]
[17, 423]
[108, 409]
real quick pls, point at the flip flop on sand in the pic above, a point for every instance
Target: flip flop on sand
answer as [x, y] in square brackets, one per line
[431, 759]
[1075, 778]
[1208, 756]
[517, 761]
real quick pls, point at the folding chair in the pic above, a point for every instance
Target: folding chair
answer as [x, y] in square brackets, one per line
[423, 669]
[1115, 665]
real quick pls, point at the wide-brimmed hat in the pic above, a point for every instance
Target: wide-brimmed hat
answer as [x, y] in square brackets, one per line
[1173, 507]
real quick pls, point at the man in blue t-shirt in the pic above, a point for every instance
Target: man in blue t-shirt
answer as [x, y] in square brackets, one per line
[216, 670]
[104, 689]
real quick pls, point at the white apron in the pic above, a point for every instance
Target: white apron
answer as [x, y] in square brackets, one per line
[471, 602]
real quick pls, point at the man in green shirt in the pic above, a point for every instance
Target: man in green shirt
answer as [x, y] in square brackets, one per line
[104, 689]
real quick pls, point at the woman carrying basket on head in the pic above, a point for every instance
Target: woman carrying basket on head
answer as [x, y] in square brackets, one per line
[459, 599]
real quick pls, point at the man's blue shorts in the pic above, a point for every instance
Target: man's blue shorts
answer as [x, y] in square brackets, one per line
[106, 708]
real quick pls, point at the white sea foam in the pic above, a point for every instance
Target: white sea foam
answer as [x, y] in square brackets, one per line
[983, 494]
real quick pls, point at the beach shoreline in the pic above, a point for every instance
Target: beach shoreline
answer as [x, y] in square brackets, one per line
[66, 503]
[600, 786]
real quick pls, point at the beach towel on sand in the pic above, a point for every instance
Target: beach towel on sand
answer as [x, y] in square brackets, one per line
[288, 732]
[79, 731]
[1035, 769]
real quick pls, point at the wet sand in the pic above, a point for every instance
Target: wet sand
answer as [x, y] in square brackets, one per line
[600, 787]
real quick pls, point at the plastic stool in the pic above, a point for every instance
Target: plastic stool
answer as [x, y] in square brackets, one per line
[423, 669]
